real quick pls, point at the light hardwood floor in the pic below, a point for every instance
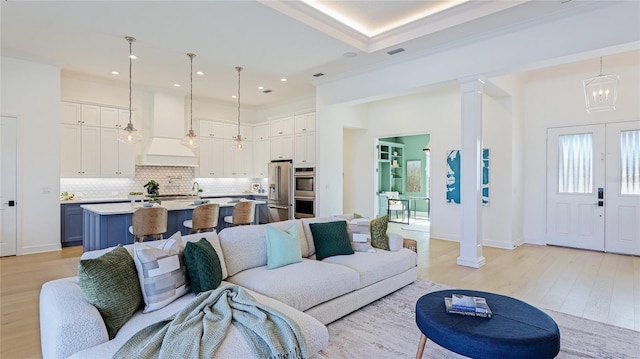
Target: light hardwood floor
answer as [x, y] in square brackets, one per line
[593, 285]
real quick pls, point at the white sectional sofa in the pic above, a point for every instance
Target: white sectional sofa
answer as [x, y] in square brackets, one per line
[311, 292]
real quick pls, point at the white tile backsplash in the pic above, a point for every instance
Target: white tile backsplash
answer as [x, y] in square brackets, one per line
[172, 180]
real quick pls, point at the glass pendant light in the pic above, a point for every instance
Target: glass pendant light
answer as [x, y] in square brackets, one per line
[129, 134]
[190, 139]
[238, 143]
[601, 92]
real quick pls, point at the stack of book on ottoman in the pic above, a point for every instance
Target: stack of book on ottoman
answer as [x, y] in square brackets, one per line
[467, 305]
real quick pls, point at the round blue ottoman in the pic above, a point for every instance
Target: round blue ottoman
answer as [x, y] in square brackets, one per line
[516, 330]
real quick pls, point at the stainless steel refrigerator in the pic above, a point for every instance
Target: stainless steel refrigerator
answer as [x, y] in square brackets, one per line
[280, 191]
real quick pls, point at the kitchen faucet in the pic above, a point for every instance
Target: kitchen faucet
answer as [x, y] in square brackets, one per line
[196, 188]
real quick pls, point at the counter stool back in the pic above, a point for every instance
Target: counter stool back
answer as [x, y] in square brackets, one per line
[148, 223]
[243, 213]
[203, 219]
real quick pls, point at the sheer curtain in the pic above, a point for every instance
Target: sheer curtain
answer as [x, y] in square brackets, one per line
[575, 163]
[630, 162]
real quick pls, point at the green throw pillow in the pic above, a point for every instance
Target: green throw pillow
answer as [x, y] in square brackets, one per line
[330, 239]
[283, 247]
[203, 266]
[356, 215]
[379, 233]
[110, 283]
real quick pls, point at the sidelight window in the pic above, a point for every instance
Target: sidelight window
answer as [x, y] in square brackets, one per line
[630, 162]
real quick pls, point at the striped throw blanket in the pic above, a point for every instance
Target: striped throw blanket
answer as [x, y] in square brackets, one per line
[198, 329]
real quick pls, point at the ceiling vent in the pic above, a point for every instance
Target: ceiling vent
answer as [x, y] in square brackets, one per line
[267, 91]
[393, 52]
[318, 74]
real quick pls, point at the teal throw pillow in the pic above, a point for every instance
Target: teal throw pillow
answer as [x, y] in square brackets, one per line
[330, 239]
[203, 266]
[379, 233]
[283, 247]
[110, 283]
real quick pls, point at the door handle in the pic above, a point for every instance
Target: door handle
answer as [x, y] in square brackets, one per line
[10, 203]
[599, 204]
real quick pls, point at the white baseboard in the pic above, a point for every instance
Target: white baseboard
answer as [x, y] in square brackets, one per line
[40, 249]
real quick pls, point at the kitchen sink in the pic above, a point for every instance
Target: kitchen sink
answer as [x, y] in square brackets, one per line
[174, 197]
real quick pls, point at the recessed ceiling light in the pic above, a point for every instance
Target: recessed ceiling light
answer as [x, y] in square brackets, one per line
[115, 73]
[133, 56]
[283, 79]
[260, 87]
[200, 73]
[176, 85]
[233, 96]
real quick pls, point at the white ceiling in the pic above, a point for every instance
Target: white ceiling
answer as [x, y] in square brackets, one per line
[270, 39]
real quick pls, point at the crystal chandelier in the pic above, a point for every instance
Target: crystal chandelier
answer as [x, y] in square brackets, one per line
[238, 143]
[190, 139]
[601, 92]
[129, 134]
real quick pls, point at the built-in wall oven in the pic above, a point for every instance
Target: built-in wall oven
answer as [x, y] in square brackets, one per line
[304, 190]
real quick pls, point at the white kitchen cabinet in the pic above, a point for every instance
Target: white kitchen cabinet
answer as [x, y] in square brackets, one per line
[261, 132]
[305, 148]
[281, 148]
[281, 127]
[70, 113]
[90, 115]
[211, 129]
[117, 159]
[231, 130]
[261, 158]
[246, 162]
[305, 122]
[116, 117]
[211, 157]
[232, 160]
[79, 151]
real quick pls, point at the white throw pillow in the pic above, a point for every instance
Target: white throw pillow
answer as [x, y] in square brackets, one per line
[162, 272]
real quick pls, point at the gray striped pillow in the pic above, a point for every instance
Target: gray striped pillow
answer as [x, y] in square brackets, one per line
[162, 272]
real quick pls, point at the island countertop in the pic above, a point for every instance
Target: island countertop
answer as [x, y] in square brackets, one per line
[171, 205]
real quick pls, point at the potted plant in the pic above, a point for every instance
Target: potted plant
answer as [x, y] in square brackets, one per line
[153, 189]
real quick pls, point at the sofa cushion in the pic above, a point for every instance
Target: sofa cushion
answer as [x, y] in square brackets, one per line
[162, 273]
[110, 283]
[203, 266]
[283, 247]
[300, 285]
[377, 266]
[379, 232]
[245, 247]
[331, 239]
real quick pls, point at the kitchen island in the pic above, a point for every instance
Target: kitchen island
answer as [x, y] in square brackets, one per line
[107, 224]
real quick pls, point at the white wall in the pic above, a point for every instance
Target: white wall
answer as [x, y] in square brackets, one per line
[31, 92]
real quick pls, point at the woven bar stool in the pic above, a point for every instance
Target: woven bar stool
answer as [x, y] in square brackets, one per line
[244, 213]
[203, 219]
[148, 223]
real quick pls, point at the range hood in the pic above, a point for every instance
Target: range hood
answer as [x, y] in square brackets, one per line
[163, 148]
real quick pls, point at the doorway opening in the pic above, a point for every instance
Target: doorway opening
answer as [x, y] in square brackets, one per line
[402, 180]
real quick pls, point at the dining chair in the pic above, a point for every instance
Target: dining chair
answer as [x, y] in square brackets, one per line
[243, 213]
[203, 219]
[148, 223]
[395, 204]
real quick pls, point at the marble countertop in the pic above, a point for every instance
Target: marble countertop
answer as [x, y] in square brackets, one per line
[172, 205]
[126, 199]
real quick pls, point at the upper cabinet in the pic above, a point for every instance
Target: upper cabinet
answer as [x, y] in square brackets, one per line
[90, 115]
[281, 127]
[261, 132]
[305, 122]
[211, 129]
[115, 117]
[231, 131]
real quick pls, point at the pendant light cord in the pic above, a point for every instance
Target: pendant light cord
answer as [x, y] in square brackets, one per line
[191, 56]
[131, 40]
[239, 69]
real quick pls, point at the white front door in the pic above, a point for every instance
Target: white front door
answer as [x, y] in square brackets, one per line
[8, 186]
[622, 195]
[593, 187]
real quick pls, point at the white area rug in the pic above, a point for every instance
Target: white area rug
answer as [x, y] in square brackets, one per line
[386, 329]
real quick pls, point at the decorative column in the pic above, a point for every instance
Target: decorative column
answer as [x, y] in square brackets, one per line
[471, 173]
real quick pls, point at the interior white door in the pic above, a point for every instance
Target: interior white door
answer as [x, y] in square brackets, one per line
[575, 174]
[622, 192]
[8, 186]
